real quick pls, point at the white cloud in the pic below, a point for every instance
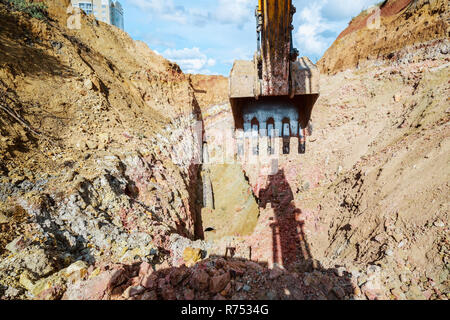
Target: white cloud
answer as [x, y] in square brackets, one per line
[191, 60]
[236, 12]
[165, 9]
[308, 35]
[154, 5]
[322, 21]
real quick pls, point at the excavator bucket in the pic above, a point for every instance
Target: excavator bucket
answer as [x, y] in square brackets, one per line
[273, 95]
[275, 116]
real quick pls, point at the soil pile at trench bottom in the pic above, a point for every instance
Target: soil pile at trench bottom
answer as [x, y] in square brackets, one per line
[102, 196]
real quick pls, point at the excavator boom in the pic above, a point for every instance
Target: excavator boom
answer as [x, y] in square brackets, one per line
[275, 47]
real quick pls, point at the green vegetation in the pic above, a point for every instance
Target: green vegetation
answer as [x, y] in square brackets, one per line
[36, 10]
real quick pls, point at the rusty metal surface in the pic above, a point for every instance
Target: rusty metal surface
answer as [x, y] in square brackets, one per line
[305, 77]
[243, 79]
[275, 47]
[280, 75]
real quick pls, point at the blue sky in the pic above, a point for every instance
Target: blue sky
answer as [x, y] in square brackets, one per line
[206, 36]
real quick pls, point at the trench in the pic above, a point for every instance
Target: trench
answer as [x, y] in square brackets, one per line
[246, 207]
[221, 197]
[229, 207]
[222, 202]
[225, 202]
[266, 223]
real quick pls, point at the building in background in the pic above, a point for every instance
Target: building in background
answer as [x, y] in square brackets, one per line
[117, 14]
[108, 11]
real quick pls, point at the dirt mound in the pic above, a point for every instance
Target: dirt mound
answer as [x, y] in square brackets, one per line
[90, 130]
[371, 193]
[214, 278]
[386, 200]
[210, 90]
[403, 23]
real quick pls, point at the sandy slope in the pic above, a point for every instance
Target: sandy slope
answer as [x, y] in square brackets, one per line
[402, 23]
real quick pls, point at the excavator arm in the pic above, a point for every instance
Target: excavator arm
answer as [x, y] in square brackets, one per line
[276, 91]
[276, 54]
